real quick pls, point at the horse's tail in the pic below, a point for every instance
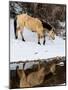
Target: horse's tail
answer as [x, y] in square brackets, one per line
[15, 26]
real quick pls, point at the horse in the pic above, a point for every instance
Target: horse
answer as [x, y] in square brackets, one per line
[32, 79]
[36, 77]
[34, 24]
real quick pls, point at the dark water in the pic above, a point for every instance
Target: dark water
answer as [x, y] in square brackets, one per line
[49, 80]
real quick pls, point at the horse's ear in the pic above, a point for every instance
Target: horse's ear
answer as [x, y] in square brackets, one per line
[53, 29]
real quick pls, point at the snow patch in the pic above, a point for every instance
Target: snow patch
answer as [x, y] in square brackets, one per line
[30, 50]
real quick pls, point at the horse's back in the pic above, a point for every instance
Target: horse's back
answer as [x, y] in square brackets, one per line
[29, 21]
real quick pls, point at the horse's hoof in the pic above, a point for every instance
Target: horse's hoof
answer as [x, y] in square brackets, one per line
[23, 40]
[39, 43]
[16, 37]
[44, 43]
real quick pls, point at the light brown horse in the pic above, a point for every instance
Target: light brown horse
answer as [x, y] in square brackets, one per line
[32, 79]
[36, 77]
[33, 24]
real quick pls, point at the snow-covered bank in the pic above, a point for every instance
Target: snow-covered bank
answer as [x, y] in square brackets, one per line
[30, 50]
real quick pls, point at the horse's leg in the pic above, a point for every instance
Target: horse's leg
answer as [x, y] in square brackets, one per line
[39, 39]
[17, 33]
[22, 36]
[44, 40]
[15, 27]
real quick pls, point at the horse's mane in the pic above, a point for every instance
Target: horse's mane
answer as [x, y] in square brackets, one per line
[46, 25]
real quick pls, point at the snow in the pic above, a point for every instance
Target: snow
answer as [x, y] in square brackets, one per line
[17, 8]
[30, 50]
[27, 65]
[62, 84]
[61, 64]
[62, 24]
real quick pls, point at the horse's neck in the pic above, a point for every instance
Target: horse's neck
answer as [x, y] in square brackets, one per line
[23, 80]
[23, 77]
[23, 73]
[19, 72]
[40, 75]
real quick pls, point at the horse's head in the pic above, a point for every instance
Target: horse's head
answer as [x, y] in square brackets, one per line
[52, 33]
